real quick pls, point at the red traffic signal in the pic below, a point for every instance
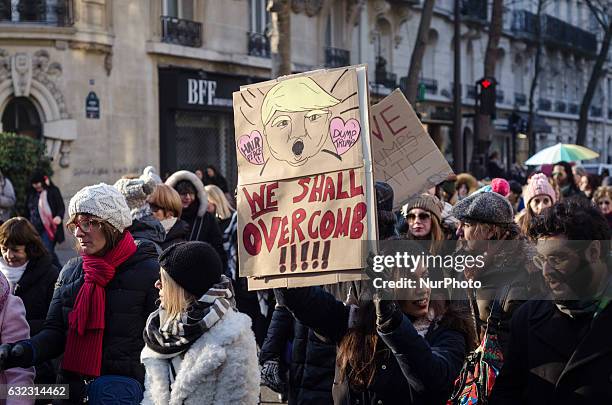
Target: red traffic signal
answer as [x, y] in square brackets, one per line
[487, 95]
[485, 83]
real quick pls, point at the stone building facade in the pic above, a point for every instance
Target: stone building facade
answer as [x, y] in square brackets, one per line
[115, 85]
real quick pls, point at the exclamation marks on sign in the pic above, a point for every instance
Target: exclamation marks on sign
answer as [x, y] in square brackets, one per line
[315, 255]
[325, 254]
[283, 258]
[305, 255]
[293, 257]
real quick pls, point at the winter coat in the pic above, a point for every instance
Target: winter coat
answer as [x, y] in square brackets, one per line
[554, 359]
[35, 288]
[509, 267]
[412, 370]
[219, 368]
[148, 229]
[130, 298]
[7, 198]
[56, 203]
[203, 227]
[178, 233]
[313, 359]
[13, 328]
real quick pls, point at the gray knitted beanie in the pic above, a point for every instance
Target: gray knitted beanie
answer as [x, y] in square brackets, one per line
[104, 202]
[486, 207]
[136, 192]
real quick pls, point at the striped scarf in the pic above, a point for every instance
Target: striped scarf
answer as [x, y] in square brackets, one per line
[173, 336]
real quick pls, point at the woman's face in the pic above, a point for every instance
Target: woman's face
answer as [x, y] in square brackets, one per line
[211, 207]
[417, 305]
[187, 199]
[14, 256]
[159, 285]
[463, 190]
[584, 183]
[605, 204]
[88, 232]
[419, 222]
[199, 174]
[539, 202]
[211, 172]
[37, 186]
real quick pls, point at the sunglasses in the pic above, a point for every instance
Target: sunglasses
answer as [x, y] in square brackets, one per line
[422, 216]
[85, 225]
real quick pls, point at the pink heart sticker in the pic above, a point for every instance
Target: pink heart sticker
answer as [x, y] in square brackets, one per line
[344, 135]
[251, 147]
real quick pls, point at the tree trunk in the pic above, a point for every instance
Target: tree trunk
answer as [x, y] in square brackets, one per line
[596, 75]
[495, 31]
[280, 37]
[534, 82]
[416, 60]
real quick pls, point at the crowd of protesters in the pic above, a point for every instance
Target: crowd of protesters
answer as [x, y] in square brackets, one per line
[153, 308]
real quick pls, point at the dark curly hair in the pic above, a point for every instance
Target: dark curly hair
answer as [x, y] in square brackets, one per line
[575, 218]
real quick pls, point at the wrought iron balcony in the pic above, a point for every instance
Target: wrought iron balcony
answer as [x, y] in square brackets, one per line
[181, 32]
[555, 32]
[387, 79]
[544, 104]
[430, 85]
[336, 57]
[596, 112]
[520, 99]
[48, 12]
[560, 106]
[259, 45]
[572, 108]
[610, 114]
[474, 10]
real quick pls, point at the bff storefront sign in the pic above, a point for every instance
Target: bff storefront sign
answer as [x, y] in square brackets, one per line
[206, 91]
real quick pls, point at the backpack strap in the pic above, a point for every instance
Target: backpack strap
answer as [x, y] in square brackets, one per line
[497, 308]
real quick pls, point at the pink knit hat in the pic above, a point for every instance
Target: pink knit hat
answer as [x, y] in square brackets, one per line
[500, 186]
[539, 185]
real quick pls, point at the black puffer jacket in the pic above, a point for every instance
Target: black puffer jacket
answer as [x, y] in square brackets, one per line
[35, 288]
[178, 233]
[130, 298]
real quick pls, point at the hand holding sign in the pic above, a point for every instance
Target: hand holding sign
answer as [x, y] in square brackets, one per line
[251, 147]
[344, 135]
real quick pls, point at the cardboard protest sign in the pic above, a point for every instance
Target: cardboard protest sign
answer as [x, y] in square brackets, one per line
[293, 227]
[299, 125]
[306, 191]
[404, 154]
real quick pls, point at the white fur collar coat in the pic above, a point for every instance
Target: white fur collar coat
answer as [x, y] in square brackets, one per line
[220, 367]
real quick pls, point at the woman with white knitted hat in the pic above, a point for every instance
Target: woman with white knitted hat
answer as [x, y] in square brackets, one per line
[100, 304]
[538, 195]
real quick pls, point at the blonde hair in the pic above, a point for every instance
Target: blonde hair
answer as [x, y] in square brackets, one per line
[217, 197]
[601, 192]
[167, 198]
[175, 299]
[295, 95]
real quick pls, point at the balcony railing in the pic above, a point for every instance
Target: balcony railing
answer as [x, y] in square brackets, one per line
[596, 112]
[554, 32]
[336, 57]
[610, 114]
[544, 104]
[499, 96]
[520, 99]
[572, 108]
[430, 85]
[386, 79]
[474, 10]
[560, 106]
[181, 32]
[48, 12]
[259, 45]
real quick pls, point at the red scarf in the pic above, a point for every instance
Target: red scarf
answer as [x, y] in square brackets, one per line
[83, 352]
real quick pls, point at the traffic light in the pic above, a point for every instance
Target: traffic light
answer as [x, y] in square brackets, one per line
[486, 95]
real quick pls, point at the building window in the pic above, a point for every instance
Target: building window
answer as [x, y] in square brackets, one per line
[259, 16]
[21, 117]
[182, 9]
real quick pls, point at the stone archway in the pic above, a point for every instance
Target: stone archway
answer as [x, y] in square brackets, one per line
[35, 77]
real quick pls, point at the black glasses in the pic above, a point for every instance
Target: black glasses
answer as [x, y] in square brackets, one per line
[422, 216]
[85, 225]
[604, 202]
[555, 262]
